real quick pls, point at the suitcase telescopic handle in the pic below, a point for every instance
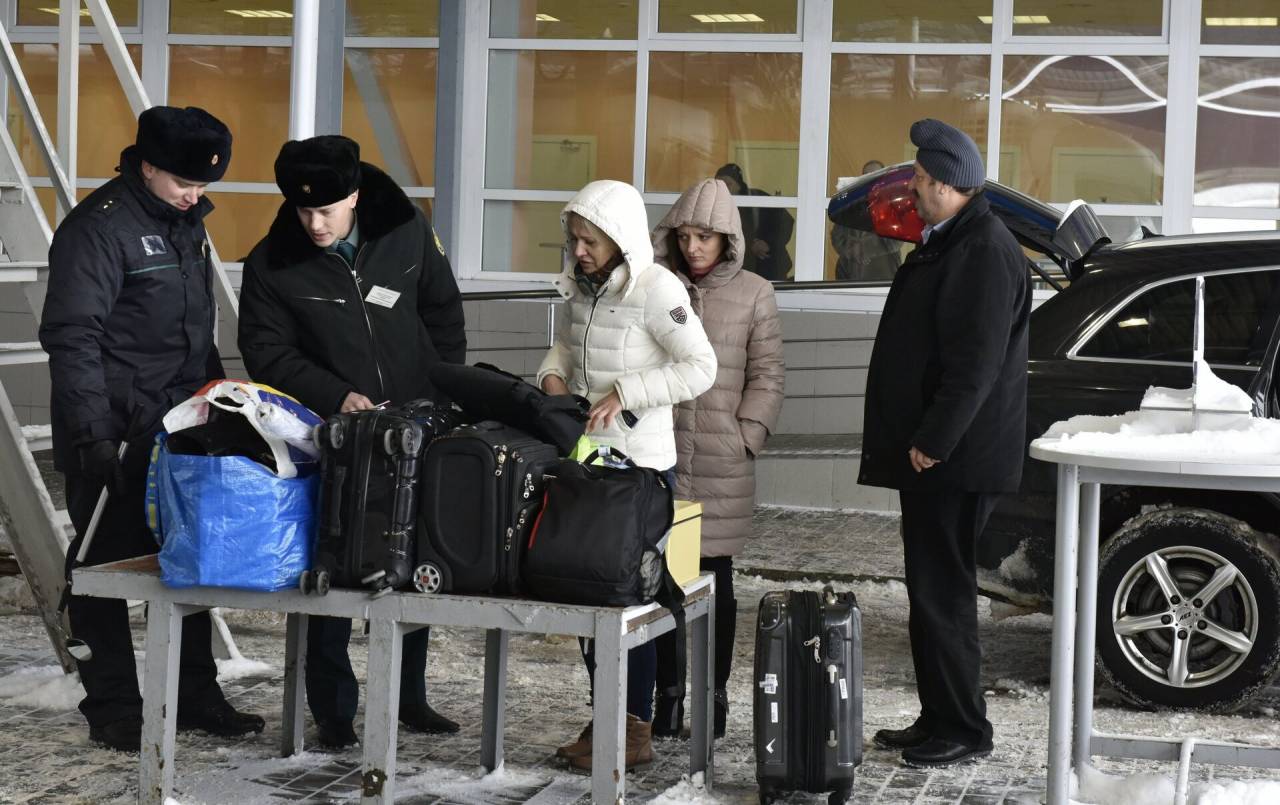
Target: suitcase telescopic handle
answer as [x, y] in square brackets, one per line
[337, 480]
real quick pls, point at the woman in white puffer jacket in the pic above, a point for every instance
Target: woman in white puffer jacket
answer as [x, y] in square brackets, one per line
[626, 339]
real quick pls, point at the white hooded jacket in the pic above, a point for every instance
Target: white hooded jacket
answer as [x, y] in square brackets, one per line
[639, 336]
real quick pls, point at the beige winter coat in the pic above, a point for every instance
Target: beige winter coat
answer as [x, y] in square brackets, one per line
[637, 337]
[719, 434]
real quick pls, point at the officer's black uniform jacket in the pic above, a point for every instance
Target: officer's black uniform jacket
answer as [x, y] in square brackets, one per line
[306, 329]
[948, 372]
[129, 315]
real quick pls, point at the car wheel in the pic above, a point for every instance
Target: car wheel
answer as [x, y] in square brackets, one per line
[1186, 603]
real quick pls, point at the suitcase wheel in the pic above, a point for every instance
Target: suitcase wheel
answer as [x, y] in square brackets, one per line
[839, 797]
[427, 578]
[337, 433]
[767, 796]
[317, 436]
[304, 582]
[320, 582]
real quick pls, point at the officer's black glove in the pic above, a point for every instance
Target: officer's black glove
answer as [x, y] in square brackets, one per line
[100, 461]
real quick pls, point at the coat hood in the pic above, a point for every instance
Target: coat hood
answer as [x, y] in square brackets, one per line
[708, 205]
[382, 207]
[617, 209]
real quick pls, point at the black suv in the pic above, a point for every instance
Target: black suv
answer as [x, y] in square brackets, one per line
[1122, 320]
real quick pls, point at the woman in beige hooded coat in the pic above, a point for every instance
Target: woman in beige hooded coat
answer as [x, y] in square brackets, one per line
[719, 434]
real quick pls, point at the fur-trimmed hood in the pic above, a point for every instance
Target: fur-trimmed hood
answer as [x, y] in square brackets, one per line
[382, 207]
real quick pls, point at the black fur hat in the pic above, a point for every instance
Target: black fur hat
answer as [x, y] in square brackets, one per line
[189, 143]
[318, 171]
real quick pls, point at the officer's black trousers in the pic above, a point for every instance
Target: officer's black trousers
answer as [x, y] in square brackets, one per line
[940, 533]
[110, 678]
[332, 690]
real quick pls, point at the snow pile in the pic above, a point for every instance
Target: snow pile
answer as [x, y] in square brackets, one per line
[1162, 428]
[45, 687]
[1094, 787]
[15, 595]
[1016, 566]
[689, 791]
[238, 668]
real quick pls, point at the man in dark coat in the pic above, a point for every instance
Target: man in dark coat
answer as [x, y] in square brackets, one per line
[346, 303]
[128, 324]
[766, 231]
[945, 423]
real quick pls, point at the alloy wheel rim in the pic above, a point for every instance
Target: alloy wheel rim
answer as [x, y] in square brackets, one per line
[1185, 617]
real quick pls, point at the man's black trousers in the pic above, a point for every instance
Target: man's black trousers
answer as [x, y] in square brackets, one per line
[110, 678]
[332, 690]
[940, 533]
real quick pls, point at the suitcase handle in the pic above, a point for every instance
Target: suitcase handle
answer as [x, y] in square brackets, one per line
[338, 480]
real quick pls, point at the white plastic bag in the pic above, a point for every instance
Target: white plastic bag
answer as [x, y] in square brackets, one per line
[283, 422]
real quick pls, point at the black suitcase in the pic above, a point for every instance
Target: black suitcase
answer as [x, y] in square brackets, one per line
[481, 492]
[808, 693]
[370, 464]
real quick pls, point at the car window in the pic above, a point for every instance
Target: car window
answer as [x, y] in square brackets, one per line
[1240, 313]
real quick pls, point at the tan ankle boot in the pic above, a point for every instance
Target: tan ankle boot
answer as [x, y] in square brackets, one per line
[639, 747]
[578, 748]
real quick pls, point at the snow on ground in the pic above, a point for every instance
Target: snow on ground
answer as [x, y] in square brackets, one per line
[1094, 787]
[42, 687]
[45, 755]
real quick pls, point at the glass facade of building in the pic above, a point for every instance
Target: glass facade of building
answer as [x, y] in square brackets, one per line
[1157, 118]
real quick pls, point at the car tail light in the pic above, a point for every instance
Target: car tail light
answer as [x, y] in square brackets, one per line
[893, 209]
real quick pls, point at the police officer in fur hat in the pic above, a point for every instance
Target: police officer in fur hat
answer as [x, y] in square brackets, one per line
[129, 327]
[946, 405]
[346, 303]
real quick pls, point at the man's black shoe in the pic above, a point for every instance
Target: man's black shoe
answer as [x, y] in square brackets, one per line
[901, 739]
[218, 718]
[124, 735]
[335, 734]
[937, 753]
[424, 719]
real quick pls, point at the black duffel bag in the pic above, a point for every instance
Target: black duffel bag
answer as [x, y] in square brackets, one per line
[601, 536]
[486, 392]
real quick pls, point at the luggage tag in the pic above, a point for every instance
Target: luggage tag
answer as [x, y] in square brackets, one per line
[385, 297]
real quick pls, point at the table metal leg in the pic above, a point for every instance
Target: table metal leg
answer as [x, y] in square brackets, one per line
[160, 700]
[1086, 625]
[609, 714]
[495, 698]
[295, 675]
[702, 676]
[382, 706]
[1064, 612]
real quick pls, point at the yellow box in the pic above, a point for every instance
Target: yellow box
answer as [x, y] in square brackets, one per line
[684, 547]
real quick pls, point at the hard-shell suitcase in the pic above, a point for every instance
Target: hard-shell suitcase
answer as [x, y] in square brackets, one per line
[808, 693]
[481, 492]
[370, 464]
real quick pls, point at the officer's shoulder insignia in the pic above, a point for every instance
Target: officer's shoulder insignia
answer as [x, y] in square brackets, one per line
[439, 245]
[678, 314]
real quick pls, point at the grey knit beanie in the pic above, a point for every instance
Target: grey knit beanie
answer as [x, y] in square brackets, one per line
[947, 153]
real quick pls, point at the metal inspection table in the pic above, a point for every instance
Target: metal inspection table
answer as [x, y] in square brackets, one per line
[390, 616]
[1072, 738]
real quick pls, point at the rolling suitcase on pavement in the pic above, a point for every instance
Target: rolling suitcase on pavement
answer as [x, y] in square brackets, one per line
[370, 462]
[481, 492]
[808, 693]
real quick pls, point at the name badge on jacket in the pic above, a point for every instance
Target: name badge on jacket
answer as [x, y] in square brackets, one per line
[382, 296]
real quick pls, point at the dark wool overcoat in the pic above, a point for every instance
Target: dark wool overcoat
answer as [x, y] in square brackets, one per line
[948, 372]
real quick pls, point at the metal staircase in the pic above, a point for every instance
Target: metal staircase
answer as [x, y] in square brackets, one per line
[38, 533]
